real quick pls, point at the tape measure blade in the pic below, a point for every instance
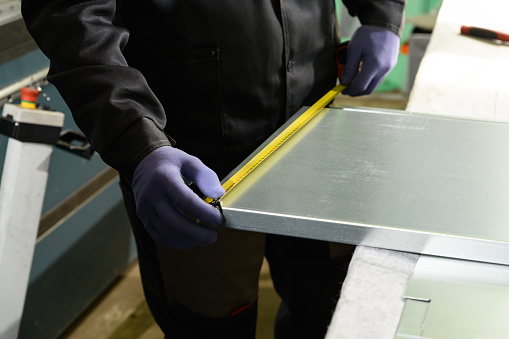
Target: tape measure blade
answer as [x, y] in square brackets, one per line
[281, 138]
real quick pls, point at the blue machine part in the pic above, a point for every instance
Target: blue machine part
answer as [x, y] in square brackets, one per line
[82, 254]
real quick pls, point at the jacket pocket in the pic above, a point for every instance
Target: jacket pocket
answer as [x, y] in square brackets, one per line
[188, 85]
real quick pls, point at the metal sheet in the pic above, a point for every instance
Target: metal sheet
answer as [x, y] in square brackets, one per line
[388, 179]
[458, 299]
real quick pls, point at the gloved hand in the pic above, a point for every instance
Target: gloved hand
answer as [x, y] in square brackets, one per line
[160, 192]
[374, 50]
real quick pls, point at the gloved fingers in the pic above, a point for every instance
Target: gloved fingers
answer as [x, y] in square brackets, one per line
[170, 186]
[204, 212]
[189, 202]
[375, 82]
[366, 81]
[172, 229]
[205, 178]
[375, 50]
[352, 65]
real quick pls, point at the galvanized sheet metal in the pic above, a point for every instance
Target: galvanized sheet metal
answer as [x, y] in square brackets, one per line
[389, 179]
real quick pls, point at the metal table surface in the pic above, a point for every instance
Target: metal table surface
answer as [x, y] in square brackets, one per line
[389, 179]
[455, 299]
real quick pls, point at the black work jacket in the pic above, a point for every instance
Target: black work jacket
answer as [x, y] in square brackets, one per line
[218, 76]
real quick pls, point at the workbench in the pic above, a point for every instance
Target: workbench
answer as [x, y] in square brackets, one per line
[422, 192]
[423, 296]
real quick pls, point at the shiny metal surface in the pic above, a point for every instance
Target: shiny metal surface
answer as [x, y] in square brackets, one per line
[451, 298]
[388, 179]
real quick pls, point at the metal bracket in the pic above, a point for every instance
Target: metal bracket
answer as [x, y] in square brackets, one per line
[76, 143]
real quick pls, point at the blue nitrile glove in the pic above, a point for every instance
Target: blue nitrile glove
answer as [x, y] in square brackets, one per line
[375, 51]
[160, 194]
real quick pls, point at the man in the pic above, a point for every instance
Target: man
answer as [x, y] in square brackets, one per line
[218, 77]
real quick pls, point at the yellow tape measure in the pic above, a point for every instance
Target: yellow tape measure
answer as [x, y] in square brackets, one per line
[280, 139]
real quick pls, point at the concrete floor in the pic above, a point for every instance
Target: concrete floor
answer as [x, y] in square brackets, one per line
[122, 313]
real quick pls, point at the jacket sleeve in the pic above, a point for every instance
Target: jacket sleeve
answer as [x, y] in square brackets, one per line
[110, 101]
[384, 13]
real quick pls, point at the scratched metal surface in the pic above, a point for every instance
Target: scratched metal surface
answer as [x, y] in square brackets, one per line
[389, 179]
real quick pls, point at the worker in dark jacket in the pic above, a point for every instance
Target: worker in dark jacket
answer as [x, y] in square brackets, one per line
[218, 77]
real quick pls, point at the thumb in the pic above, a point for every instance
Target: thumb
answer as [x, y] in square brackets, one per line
[205, 178]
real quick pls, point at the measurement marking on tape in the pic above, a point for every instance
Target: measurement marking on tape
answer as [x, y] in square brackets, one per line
[281, 138]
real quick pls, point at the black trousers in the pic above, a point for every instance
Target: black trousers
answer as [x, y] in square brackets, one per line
[212, 291]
